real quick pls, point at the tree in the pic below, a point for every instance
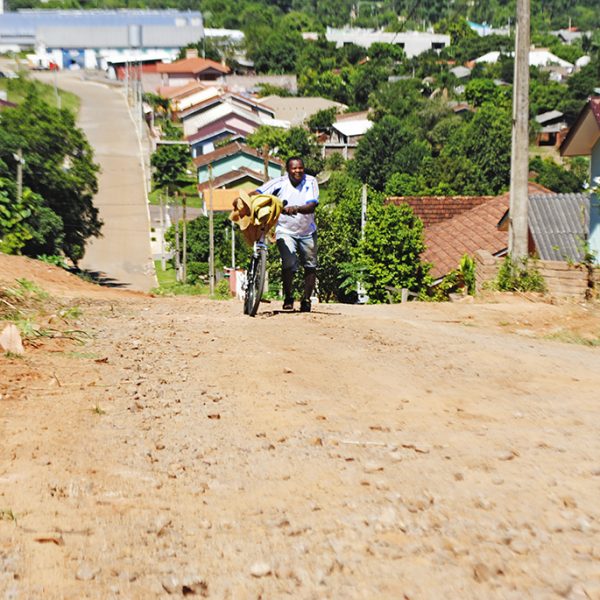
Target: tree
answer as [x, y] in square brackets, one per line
[390, 251]
[170, 163]
[554, 177]
[322, 120]
[390, 146]
[478, 91]
[338, 222]
[59, 170]
[487, 144]
[286, 143]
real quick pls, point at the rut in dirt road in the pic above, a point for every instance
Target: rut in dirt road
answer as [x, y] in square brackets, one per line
[352, 452]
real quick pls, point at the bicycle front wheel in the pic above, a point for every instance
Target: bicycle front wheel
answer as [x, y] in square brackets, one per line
[256, 282]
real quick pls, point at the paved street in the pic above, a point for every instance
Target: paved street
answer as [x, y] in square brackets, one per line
[122, 255]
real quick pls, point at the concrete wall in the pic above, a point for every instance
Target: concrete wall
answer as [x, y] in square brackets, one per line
[563, 280]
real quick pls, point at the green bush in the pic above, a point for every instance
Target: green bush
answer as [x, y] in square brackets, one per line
[222, 291]
[197, 272]
[519, 275]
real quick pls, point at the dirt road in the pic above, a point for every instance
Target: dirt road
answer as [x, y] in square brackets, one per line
[409, 451]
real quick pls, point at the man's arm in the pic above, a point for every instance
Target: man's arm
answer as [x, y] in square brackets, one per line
[304, 209]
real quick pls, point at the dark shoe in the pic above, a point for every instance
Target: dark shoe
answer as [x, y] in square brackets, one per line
[288, 304]
[305, 306]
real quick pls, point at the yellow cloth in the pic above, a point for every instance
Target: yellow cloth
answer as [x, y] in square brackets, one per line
[255, 215]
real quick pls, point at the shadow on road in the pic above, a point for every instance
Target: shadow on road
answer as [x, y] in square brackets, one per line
[100, 278]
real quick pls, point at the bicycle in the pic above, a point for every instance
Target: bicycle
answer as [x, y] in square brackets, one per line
[255, 278]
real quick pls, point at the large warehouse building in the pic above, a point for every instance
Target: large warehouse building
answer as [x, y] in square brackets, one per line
[93, 38]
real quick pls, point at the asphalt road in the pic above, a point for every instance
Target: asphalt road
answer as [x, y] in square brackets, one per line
[122, 256]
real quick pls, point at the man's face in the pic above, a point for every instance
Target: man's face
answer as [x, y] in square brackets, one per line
[296, 171]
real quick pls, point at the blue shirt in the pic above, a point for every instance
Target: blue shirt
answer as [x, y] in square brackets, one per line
[305, 192]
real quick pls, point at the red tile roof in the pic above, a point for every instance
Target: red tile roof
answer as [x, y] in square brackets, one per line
[476, 229]
[434, 209]
[192, 65]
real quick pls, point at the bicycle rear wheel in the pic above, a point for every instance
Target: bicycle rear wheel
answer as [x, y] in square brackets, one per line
[255, 282]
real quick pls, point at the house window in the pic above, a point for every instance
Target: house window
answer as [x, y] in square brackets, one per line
[438, 45]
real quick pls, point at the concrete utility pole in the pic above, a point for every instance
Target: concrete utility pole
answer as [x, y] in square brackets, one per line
[19, 158]
[184, 266]
[519, 167]
[211, 234]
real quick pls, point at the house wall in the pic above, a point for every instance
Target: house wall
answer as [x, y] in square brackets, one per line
[595, 203]
[563, 280]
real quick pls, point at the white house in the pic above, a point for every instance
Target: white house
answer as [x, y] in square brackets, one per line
[412, 42]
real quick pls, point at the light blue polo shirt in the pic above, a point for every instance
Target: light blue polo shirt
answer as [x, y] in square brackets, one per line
[305, 192]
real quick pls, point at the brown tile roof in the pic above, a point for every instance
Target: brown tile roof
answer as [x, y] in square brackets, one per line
[192, 65]
[475, 229]
[434, 209]
[231, 177]
[229, 150]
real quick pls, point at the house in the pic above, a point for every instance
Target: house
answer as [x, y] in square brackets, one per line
[87, 37]
[218, 106]
[434, 209]
[211, 113]
[185, 96]
[232, 157]
[461, 72]
[242, 178]
[345, 135]
[297, 110]
[553, 128]
[583, 139]
[232, 127]
[538, 57]
[456, 226]
[190, 69]
[558, 226]
[412, 42]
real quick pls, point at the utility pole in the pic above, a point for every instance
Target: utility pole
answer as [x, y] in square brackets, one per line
[266, 161]
[232, 247]
[184, 224]
[58, 99]
[177, 261]
[360, 290]
[519, 167]
[19, 158]
[211, 234]
[162, 234]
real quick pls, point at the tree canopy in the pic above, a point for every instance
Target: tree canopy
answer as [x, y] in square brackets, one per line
[59, 178]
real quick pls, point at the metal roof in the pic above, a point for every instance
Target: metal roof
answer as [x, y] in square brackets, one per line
[101, 28]
[30, 20]
[549, 116]
[559, 224]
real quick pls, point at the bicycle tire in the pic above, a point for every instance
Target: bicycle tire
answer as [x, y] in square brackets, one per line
[256, 282]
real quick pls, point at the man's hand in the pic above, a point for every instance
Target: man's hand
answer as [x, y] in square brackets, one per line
[290, 210]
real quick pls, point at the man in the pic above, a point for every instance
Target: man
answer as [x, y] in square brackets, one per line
[296, 231]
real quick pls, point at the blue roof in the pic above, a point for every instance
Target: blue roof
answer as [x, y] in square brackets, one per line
[28, 20]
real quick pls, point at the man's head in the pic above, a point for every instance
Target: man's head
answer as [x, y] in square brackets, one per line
[295, 169]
